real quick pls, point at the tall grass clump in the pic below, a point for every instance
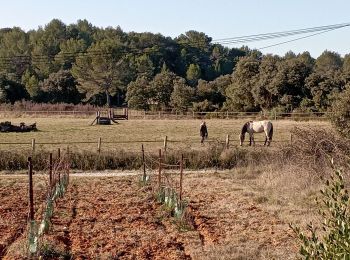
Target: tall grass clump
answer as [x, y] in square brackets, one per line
[333, 242]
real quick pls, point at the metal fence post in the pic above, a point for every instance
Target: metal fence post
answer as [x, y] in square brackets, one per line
[160, 169]
[143, 163]
[50, 172]
[31, 201]
[181, 176]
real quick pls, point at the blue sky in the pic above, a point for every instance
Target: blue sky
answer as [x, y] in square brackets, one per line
[218, 19]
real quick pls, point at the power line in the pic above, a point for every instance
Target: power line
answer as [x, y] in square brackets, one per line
[293, 40]
[276, 36]
[41, 58]
[279, 34]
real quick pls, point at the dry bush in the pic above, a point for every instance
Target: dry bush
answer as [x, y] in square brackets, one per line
[292, 179]
[315, 148]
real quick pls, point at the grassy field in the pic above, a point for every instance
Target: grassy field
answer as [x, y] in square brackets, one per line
[134, 132]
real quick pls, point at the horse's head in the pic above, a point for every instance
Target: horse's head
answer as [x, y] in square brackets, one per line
[241, 139]
[242, 135]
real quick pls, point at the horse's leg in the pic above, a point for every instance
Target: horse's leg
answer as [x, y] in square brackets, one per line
[267, 139]
[250, 140]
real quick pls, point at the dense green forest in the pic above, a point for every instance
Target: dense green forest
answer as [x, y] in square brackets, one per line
[81, 63]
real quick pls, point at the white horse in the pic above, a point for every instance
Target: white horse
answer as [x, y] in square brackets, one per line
[252, 127]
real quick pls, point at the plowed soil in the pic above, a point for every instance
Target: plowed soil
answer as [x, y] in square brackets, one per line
[116, 218]
[14, 207]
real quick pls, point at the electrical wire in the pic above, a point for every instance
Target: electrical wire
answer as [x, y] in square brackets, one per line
[21, 60]
[293, 40]
[265, 36]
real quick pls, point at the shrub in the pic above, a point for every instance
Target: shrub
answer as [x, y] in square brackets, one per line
[340, 115]
[313, 147]
[334, 209]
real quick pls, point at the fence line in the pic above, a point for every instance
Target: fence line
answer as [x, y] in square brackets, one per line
[166, 183]
[141, 114]
[58, 172]
[227, 142]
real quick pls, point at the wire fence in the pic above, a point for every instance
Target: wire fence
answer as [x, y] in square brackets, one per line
[58, 170]
[166, 143]
[135, 114]
[166, 181]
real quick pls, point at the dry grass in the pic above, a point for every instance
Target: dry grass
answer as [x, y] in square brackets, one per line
[185, 131]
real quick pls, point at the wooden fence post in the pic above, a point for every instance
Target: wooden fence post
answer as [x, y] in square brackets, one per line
[99, 145]
[31, 201]
[181, 175]
[59, 153]
[227, 141]
[160, 169]
[126, 113]
[98, 117]
[165, 143]
[291, 138]
[143, 163]
[33, 145]
[110, 115]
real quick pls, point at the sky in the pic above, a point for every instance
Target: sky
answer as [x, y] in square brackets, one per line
[216, 18]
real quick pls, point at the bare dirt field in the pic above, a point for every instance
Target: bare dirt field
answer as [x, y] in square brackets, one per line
[116, 218]
[14, 207]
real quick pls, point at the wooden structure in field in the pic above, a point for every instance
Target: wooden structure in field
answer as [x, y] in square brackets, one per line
[110, 117]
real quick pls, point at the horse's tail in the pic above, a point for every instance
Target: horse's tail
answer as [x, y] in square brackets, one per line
[271, 132]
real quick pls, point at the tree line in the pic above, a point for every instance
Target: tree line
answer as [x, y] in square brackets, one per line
[81, 63]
